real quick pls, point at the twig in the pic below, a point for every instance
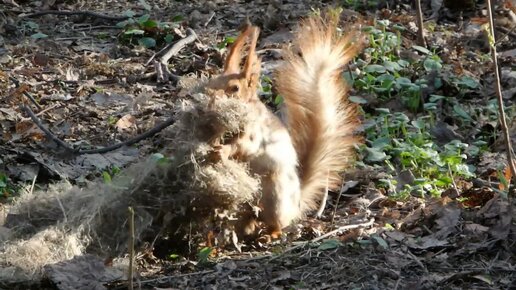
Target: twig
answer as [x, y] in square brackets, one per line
[420, 31]
[45, 129]
[169, 278]
[131, 248]
[162, 71]
[128, 142]
[343, 189]
[26, 94]
[507, 32]
[83, 13]
[43, 111]
[503, 121]
[328, 234]
[209, 19]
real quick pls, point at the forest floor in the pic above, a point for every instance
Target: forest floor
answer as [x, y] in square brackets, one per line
[426, 207]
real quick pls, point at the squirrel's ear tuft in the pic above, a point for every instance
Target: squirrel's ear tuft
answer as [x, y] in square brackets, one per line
[232, 65]
[252, 64]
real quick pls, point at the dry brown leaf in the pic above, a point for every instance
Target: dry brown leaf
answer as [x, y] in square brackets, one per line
[126, 123]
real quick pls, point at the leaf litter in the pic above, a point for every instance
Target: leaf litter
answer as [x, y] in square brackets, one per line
[77, 68]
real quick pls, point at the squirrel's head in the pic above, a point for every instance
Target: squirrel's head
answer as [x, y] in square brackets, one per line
[235, 82]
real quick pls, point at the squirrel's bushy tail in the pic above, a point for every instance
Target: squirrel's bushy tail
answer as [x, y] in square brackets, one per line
[319, 116]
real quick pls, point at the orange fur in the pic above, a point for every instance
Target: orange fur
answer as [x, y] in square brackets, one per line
[319, 117]
[298, 161]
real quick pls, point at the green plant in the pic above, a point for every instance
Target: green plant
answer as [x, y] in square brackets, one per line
[145, 31]
[204, 255]
[32, 28]
[406, 145]
[107, 175]
[7, 188]
[267, 94]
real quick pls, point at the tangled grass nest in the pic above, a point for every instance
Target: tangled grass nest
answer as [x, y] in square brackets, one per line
[180, 190]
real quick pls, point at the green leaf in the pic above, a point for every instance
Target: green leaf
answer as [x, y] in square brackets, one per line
[169, 38]
[435, 98]
[129, 13]
[461, 112]
[403, 82]
[380, 241]
[38, 35]
[421, 49]
[468, 82]
[357, 100]
[204, 254]
[145, 5]
[148, 42]
[134, 32]
[375, 68]
[329, 244]
[382, 110]
[32, 25]
[391, 66]
[229, 40]
[403, 63]
[177, 18]
[419, 124]
[122, 24]
[432, 64]
[375, 155]
[278, 100]
[106, 177]
[143, 18]
[150, 24]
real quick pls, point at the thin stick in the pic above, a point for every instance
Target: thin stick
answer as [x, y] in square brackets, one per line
[328, 234]
[83, 13]
[209, 19]
[45, 130]
[420, 31]
[128, 142]
[26, 94]
[503, 121]
[190, 37]
[44, 111]
[131, 247]
[161, 66]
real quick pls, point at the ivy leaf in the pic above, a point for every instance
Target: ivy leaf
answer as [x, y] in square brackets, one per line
[148, 42]
[145, 5]
[357, 100]
[329, 244]
[375, 68]
[421, 49]
[375, 155]
[461, 112]
[39, 35]
[432, 64]
[134, 32]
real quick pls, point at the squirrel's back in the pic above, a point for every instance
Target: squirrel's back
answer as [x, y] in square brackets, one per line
[320, 119]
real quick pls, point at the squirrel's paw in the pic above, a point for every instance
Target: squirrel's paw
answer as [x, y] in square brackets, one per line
[220, 153]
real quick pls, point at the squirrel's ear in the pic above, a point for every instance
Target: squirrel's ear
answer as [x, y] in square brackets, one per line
[252, 64]
[232, 65]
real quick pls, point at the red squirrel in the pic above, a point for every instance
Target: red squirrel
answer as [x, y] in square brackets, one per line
[299, 158]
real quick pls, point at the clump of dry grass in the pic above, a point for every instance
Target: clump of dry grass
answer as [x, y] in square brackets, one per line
[182, 188]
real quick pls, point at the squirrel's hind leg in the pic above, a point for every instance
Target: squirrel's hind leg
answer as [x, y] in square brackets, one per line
[281, 196]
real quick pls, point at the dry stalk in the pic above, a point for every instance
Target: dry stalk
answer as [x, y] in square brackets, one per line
[131, 247]
[503, 120]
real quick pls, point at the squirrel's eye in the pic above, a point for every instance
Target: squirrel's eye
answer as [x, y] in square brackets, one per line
[233, 89]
